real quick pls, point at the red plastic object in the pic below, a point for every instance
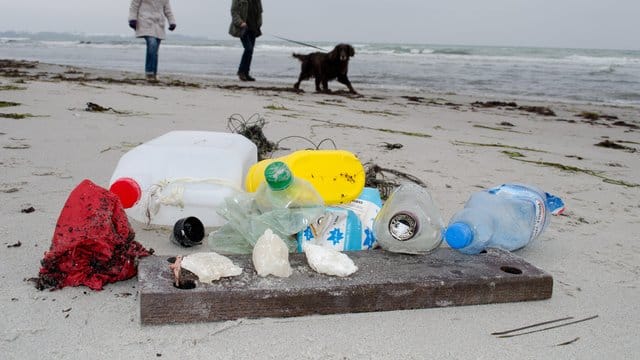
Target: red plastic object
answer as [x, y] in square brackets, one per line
[127, 190]
[93, 242]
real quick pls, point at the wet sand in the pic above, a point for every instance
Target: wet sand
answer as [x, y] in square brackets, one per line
[586, 154]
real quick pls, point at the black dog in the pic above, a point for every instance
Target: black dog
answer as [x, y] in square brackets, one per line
[326, 66]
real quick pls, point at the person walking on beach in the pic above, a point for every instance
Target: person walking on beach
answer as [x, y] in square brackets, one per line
[146, 17]
[246, 21]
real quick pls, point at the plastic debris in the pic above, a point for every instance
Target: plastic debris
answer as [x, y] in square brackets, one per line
[271, 256]
[92, 244]
[328, 261]
[210, 266]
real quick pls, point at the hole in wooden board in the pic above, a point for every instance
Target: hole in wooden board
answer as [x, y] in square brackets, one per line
[511, 270]
[185, 284]
[187, 278]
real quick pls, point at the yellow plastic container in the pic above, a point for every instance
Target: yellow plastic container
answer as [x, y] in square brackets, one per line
[338, 175]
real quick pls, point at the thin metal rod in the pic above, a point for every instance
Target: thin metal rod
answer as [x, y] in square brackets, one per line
[530, 326]
[550, 327]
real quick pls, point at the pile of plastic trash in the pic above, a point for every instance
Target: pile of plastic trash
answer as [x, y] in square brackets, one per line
[311, 201]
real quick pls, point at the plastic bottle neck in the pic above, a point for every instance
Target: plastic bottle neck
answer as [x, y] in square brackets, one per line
[458, 235]
[128, 190]
[278, 176]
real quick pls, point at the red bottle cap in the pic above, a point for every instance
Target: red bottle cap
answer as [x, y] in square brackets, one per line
[127, 190]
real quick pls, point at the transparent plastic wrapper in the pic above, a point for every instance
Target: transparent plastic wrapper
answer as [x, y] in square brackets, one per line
[284, 204]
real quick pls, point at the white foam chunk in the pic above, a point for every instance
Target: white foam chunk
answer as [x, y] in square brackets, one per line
[271, 256]
[328, 261]
[210, 266]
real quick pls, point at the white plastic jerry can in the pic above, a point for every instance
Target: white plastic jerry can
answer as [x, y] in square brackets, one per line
[181, 174]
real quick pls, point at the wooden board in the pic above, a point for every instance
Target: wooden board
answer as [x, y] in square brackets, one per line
[385, 281]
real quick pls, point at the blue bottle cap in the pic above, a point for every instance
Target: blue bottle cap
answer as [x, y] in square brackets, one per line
[554, 204]
[458, 235]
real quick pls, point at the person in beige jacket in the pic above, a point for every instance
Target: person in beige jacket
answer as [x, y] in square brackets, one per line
[146, 17]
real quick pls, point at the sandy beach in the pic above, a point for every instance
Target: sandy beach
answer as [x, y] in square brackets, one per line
[586, 154]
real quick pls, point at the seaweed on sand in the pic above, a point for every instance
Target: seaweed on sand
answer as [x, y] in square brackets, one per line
[401, 132]
[24, 64]
[93, 107]
[496, 145]
[276, 107]
[540, 110]
[11, 87]
[8, 104]
[516, 155]
[574, 169]
[15, 116]
[614, 145]
[504, 128]
[590, 115]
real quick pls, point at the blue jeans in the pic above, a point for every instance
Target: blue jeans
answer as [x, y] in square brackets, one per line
[151, 62]
[248, 42]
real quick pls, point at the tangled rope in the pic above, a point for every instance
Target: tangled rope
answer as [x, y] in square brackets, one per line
[315, 146]
[375, 177]
[252, 130]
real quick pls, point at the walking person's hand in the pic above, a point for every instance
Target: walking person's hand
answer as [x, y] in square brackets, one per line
[133, 24]
[172, 27]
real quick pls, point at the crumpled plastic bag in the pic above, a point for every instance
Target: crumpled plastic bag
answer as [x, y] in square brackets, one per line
[93, 242]
[245, 224]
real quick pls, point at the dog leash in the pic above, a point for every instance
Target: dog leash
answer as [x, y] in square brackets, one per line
[298, 42]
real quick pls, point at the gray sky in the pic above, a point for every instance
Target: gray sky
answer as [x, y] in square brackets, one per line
[546, 23]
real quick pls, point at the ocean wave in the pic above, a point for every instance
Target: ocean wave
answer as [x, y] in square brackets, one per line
[6, 40]
[607, 76]
[604, 60]
[605, 70]
[452, 52]
[633, 97]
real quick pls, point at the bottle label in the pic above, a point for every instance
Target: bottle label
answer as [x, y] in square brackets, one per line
[403, 226]
[366, 212]
[522, 192]
[337, 228]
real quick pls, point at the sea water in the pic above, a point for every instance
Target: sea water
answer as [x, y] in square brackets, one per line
[568, 75]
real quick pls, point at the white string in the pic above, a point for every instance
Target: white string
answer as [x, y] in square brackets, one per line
[155, 198]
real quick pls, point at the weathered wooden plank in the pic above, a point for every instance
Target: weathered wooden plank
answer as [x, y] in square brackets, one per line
[385, 281]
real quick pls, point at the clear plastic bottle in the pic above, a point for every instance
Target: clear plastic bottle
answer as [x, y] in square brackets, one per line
[508, 217]
[287, 204]
[409, 221]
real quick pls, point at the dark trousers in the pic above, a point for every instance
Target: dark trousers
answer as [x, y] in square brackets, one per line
[248, 42]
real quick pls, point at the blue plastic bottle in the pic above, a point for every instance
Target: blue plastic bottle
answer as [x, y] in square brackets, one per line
[508, 217]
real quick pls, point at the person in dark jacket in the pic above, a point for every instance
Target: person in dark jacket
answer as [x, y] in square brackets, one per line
[246, 21]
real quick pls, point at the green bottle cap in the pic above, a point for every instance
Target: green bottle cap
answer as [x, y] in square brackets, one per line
[278, 175]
